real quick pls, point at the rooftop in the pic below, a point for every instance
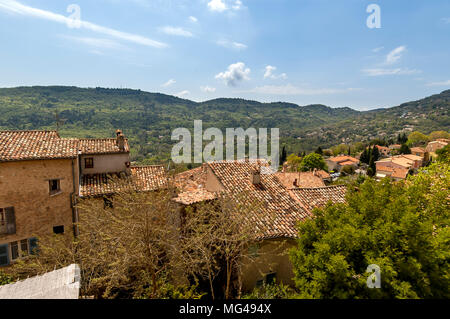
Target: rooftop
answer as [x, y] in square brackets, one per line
[102, 146]
[278, 213]
[36, 145]
[311, 198]
[343, 158]
[142, 178]
[40, 145]
[300, 179]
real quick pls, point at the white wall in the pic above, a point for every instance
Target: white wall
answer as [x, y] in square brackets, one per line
[108, 163]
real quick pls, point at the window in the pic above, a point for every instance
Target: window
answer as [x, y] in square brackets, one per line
[2, 217]
[107, 202]
[54, 186]
[58, 229]
[15, 250]
[271, 278]
[89, 162]
[4, 258]
[7, 221]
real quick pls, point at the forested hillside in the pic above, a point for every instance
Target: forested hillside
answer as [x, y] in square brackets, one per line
[149, 118]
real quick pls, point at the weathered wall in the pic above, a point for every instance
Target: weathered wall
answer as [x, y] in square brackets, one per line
[25, 186]
[272, 257]
[109, 163]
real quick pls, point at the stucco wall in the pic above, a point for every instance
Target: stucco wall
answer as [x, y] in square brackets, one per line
[272, 257]
[106, 163]
[25, 186]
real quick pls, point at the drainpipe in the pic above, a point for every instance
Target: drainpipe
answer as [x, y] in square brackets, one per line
[73, 202]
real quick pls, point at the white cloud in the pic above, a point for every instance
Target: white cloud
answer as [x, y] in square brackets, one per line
[443, 83]
[208, 89]
[193, 19]
[169, 83]
[395, 55]
[223, 5]
[183, 93]
[96, 42]
[269, 73]
[397, 71]
[377, 49]
[235, 73]
[237, 5]
[12, 6]
[232, 45]
[290, 89]
[217, 5]
[176, 31]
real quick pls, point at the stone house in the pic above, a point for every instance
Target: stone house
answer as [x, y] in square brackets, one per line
[338, 162]
[42, 176]
[281, 210]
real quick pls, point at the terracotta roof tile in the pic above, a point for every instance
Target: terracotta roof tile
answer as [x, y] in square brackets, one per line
[144, 178]
[311, 198]
[35, 145]
[195, 196]
[277, 214]
[343, 158]
[102, 146]
[302, 179]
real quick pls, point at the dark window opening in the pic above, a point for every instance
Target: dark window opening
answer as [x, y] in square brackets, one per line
[89, 162]
[14, 250]
[58, 229]
[107, 202]
[270, 278]
[54, 186]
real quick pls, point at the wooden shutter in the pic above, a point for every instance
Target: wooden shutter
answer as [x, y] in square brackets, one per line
[4, 258]
[10, 220]
[33, 245]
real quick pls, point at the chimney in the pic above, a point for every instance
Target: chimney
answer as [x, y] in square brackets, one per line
[121, 141]
[295, 183]
[255, 177]
[118, 132]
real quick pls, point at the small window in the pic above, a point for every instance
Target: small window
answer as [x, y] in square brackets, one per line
[58, 229]
[107, 202]
[15, 250]
[54, 186]
[2, 217]
[89, 162]
[24, 246]
[270, 278]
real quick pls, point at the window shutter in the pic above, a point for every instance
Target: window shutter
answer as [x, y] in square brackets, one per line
[10, 220]
[33, 245]
[4, 258]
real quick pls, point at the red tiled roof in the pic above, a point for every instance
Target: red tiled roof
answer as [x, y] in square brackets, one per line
[303, 179]
[35, 145]
[343, 158]
[195, 196]
[102, 146]
[311, 198]
[277, 214]
[143, 178]
[347, 163]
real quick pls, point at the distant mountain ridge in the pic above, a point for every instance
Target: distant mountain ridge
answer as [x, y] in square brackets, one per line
[149, 118]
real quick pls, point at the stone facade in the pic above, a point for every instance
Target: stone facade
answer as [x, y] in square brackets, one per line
[25, 185]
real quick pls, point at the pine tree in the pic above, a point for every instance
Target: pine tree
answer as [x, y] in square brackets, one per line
[319, 151]
[375, 153]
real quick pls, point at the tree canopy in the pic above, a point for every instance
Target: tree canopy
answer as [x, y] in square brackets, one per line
[401, 227]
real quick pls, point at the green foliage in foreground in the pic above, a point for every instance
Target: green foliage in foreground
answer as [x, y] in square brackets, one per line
[271, 291]
[5, 279]
[401, 227]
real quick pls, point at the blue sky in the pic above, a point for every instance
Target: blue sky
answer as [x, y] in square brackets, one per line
[300, 51]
